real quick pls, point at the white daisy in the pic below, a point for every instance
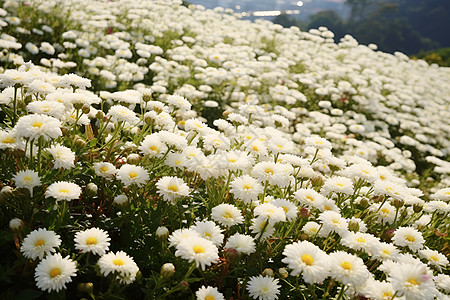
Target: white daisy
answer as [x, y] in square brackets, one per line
[93, 240]
[40, 242]
[53, 272]
[63, 190]
[199, 250]
[131, 174]
[171, 188]
[227, 215]
[263, 287]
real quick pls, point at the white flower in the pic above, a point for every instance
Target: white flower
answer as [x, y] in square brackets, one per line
[63, 190]
[413, 281]
[153, 146]
[434, 258]
[337, 184]
[263, 287]
[131, 174]
[347, 268]
[208, 293]
[27, 179]
[197, 249]
[104, 169]
[120, 264]
[63, 157]
[210, 231]
[409, 237]
[171, 188]
[306, 258]
[241, 243]
[290, 209]
[246, 188]
[119, 113]
[53, 272]
[35, 126]
[272, 172]
[180, 234]
[270, 212]
[40, 242]
[93, 240]
[332, 222]
[178, 101]
[227, 215]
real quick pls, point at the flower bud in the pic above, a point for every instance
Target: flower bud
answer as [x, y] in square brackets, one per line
[417, 207]
[86, 109]
[283, 273]
[353, 226]
[86, 287]
[398, 203]
[99, 115]
[388, 234]
[16, 224]
[162, 232]
[91, 189]
[120, 199]
[133, 159]
[78, 105]
[184, 285]
[304, 236]
[79, 143]
[364, 203]
[317, 181]
[167, 270]
[268, 272]
[230, 254]
[303, 213]
[146, 97]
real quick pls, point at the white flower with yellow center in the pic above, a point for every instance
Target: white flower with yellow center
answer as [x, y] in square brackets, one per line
[93, 240]
[199, 250]
[131, 174]
[40, 242]
[53, 272]
[227, 215]
[120, 264]
[242, 243]
[63, 157]
[27, 179]
[209, 293]
[309, 197]
[306, 258]
[408, 237]
[263, 287]
[270, 212]
[413, 281]
[210, 231]
[347, 268]
[171, 188]
[434, 258]
[63, 190]
[104, 169]
[246, 188]
[35, 126]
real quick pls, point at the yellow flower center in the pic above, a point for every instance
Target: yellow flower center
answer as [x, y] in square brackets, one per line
[91, 241]
[434, 258]
[153, 148]
[285, 209]
[232, 160]
[210, 298]
[104, 169]
[55, 272]
[27, 178]
[387, 295]
[118, 262]
[8, 140]
[173, 188]
[133, 175]
[63, 191]
[178, 162]
[37, 124]
[255, 148]
[361, 240]
[207, 234]
[382, 177]
[39, 243]
[413, 281]
[310, 198]
[335, 221]
[385, 251]
[198, 249]
[410, 238]
[269, 171]
[346, 265]
[385, 211]
[326, 207]
[247, 187]
[227, 215]
[339, 184]
[307, 259]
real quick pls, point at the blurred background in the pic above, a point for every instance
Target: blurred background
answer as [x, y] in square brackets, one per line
[419, 28]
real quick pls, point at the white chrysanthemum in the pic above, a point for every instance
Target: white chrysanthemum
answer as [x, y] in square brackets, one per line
[40, 242]
[93, 240]
[27, 179]
[179, 102]
[227, 215]
[119, 113]
[318, 142]
[263, 287]
[10, 140]
[35, 126]
[378, 290]
[311, 228]
[63, 190]
[306, 258]
[209, 293]
[120, 264]
[104, 169]
[175, 160]
[442, 194]
[131, 174]
[272, 172]
[242, 243]
[198, 250]
[333, 222]
[53, 272]
[442, 281]
[63, 157]
[210, 231]
[50, 108]
[262, 228]
[171, 188]
[413, 281]
[180, 234]
[434, 258]
[239, 160]
[385, 213]
[360, 241]
[408, 236]
[337, 184]
[270, 212]
[152, 145]
[347, 268]
[290, 209]
[309, 197]
[246, 188]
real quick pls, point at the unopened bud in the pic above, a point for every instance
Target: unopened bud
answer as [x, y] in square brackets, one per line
[398, 203]
[162, 232]
[99, 115]
[283, 273]
[353, 226]
[317, 181]
[304, 236]
[268, 272]
[303, 213]
[86, 287]
[78, 105]
[377, 199]
[80, 143]
[120, 199]
[146, 97]
[184, 285]
[231, 254]
[364, 203]
[86, 109]
[388, 234]
[16, 224]
[417, 207]
[167, 270]
[133, 159]
[92, 189]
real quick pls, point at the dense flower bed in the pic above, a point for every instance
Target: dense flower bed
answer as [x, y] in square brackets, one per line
[151, 150]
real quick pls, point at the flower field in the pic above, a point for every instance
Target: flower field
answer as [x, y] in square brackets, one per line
[150, 150]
